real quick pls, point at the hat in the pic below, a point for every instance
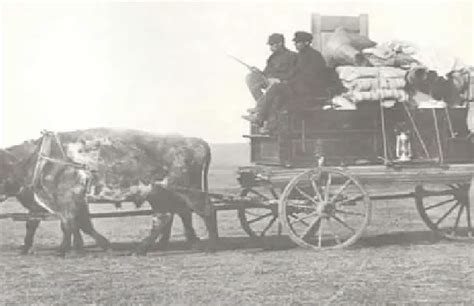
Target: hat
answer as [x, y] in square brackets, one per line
[301, 36]
[276, 38]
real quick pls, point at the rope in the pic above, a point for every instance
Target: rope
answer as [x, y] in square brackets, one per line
[417, 132]
[384, 132]
[438, 136]
[58, 142]
[450, 125]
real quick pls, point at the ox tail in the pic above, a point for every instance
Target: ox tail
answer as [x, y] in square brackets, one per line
[205, 170]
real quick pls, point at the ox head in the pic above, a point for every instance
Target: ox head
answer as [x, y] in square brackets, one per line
[9, 185]
[14, 164]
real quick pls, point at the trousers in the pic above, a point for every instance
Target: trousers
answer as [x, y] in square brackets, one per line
[273, 99]
[256, 82]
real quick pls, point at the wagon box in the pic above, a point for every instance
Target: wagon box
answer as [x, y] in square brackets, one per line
[355, 137]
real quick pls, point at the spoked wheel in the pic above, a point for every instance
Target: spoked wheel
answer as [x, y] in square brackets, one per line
[263, 220]
[446, 210]
[324, 208]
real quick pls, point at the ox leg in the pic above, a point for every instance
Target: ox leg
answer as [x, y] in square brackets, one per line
[159, 224]
[31, 226]
[67, 228]
[77, 241]
[85, 224]
[165, 236]
[211, 226]
[187, 218]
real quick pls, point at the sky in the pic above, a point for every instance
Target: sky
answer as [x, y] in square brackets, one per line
[163, 66]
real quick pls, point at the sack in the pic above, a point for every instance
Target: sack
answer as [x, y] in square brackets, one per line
[379, 94]
[343, 48]
[350, 73]
[368, 84]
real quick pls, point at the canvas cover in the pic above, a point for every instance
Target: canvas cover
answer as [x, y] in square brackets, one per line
[344, 48]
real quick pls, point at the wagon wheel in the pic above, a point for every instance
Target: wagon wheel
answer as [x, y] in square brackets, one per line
[447, 211]
[328, 209]
[261, 221]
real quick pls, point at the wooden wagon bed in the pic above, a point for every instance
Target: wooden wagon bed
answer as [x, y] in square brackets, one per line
[450, 174]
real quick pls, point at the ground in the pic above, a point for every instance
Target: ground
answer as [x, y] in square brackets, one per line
[397, 261]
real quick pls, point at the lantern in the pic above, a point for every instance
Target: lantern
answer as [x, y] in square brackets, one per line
[403, 147]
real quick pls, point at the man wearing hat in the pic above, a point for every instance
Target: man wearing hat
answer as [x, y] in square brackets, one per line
[279, 67]
[309, 80]
[267, 87]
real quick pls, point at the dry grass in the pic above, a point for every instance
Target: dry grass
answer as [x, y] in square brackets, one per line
[398, 261]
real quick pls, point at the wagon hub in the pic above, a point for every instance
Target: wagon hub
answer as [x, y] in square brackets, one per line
[325, 208]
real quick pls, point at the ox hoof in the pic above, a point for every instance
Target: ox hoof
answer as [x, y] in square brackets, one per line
[162, 245]
[61, 254]
[78, 252]
[26, 251]
[138, 252]
[73, 254]
[109, 251]
[210, 247]
[195, 244]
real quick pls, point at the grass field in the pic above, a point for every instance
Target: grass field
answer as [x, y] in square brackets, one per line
[397, 261]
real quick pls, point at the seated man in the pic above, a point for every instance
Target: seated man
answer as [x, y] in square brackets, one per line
[309, 81]
[279, 68]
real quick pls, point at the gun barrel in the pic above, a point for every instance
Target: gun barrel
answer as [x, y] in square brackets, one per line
[240, 61]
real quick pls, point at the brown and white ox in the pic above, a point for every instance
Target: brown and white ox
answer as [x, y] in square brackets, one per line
[168, 172]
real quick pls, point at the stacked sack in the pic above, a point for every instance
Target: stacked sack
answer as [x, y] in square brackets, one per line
[384, 84]
[346, 52]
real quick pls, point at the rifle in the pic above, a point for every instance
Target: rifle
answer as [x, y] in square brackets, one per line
[251, 68]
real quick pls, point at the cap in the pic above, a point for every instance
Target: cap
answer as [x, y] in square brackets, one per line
[301, 36]
[276, 38]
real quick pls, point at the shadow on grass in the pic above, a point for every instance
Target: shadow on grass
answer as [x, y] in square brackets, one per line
[275, 243]
[272, 243]
[398, 238]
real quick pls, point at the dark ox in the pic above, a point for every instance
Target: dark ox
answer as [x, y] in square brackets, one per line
[58, 189]
[170, 173]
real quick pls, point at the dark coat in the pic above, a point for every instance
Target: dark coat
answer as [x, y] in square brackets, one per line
[309, 78]
[280, 64]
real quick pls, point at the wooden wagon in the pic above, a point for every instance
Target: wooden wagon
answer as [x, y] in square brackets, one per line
[317, 176]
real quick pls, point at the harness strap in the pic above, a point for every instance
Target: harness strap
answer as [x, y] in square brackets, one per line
[42, 204]
[63, 162]
[44, 148]
[58, 142]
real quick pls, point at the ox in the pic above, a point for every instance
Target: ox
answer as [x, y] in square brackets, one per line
[56, 184]
[170, 173]
[43, 187]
